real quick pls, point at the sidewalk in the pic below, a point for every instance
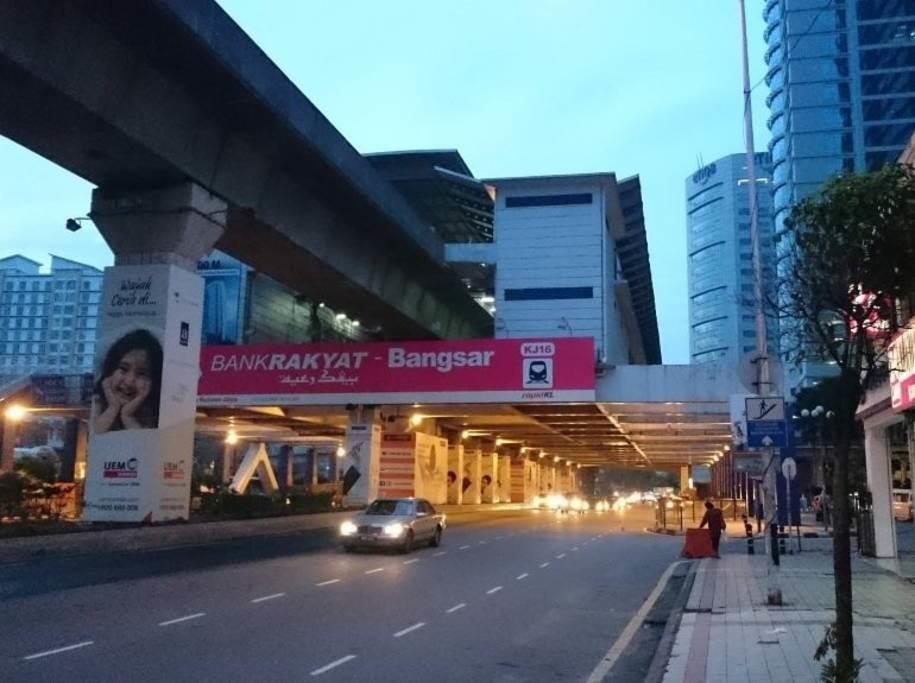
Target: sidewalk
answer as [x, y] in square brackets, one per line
[728, 633]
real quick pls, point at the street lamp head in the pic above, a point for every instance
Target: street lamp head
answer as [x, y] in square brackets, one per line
[16, 412]
[830, 414]
[818, 411]
[805, 413]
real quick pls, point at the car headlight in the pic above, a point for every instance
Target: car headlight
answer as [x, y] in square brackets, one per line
[347, 528]
[394, 530]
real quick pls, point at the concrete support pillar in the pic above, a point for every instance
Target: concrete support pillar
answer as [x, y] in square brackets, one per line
[518, 471]
[228, 462]
[473, 473]
[489, 477]
[552, 481]
[150, 318]
[505, 475]
[361, 465]
[455, 474]
[312, 466]
[8, 443]
[286, 456]
[880, 484]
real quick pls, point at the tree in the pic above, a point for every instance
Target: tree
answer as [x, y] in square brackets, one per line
[850, 250]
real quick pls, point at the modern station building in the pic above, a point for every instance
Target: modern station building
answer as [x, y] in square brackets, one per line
[720, 258]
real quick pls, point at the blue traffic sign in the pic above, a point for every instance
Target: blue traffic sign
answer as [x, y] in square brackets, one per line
[767, 433]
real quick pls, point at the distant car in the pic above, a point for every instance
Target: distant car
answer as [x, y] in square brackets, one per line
[399, 523]
[902, 505]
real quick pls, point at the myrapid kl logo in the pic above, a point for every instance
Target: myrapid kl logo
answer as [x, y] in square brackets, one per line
[121, 469]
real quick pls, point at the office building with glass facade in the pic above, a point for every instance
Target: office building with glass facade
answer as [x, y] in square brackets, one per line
[722, 323]
[841, 78]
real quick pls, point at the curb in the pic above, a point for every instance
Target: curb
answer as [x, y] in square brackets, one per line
[604, 668]
[656, 670]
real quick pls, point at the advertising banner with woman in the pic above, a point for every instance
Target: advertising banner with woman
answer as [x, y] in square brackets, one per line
[141, 428]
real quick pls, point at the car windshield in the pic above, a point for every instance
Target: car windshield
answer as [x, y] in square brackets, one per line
[390, 507]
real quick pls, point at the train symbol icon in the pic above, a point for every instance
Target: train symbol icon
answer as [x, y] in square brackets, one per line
[537, 373]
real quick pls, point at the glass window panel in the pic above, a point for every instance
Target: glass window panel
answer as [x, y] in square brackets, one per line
[875, 160]
[891, 32]
[889, 135]
[819, 94]
[887, 59]
[809, 70]
[821, 144]
[889, 108]
[886, 84]
[814, 21]
[878, 9]
[816, 170]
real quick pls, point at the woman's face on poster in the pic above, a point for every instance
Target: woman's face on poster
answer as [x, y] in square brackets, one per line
[133, 376]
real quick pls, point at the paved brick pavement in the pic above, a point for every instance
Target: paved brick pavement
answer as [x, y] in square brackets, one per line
[728, 633]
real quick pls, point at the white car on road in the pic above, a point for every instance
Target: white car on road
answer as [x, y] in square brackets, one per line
[399, 523]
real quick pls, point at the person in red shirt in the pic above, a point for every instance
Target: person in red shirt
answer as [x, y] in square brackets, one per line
[715, 521]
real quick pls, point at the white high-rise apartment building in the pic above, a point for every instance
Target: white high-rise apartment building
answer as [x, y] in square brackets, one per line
[47, 319]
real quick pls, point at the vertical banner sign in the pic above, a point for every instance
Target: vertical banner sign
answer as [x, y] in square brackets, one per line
[360, 464]
[431, 473]
[141, 430]
[397, 478]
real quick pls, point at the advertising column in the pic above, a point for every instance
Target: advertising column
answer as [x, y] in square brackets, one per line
[360, 465]
[455, 474]
[505, 477]
[142, 422]
[488, 478]
[518, 466]
[431, 474]
[473, 473]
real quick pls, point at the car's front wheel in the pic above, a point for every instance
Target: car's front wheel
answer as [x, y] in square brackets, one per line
[436, 540]
[408, 542]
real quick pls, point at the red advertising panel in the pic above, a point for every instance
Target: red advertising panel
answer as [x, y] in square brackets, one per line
[901, 356]
[459, 371]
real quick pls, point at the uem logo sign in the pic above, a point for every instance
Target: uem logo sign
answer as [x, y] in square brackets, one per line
[121, 469]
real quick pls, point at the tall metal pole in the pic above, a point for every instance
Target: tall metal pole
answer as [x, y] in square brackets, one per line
[764, 386]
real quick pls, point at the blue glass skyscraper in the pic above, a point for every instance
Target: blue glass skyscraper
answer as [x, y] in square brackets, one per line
[841, 78]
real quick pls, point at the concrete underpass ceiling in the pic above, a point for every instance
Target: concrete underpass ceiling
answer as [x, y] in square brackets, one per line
[635, 435]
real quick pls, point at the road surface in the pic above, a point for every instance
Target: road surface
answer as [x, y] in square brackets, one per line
[526, 596]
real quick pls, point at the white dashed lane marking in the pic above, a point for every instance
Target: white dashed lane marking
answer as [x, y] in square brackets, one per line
[268, 597]
[521, 576]
[415, 559]
[375, 570]
[460, 605]
[58, 650]
[544, 565]
[493, 590]
[464, 547]
[560, 556]
[333, 665]
[196, 615]
[410, 629]
[328, 582]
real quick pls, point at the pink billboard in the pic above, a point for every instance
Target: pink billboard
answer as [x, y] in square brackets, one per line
[458, 371]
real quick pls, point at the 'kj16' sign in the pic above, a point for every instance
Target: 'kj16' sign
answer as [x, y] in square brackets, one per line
[901, 356]
[459, 371]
